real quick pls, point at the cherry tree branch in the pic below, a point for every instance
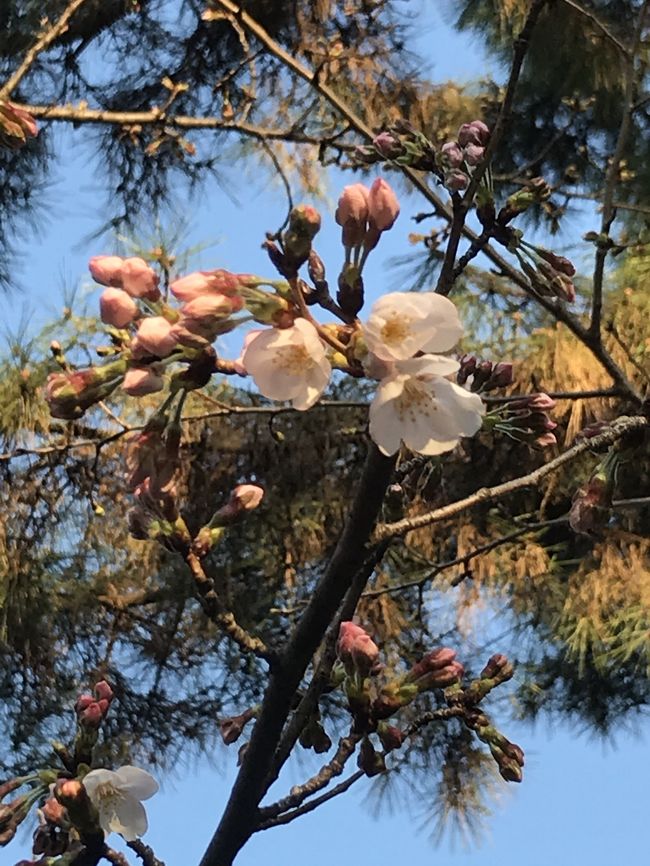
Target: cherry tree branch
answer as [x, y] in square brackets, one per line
[616, 431]
[288, 817]
[145, 853]
[50, 33]
[241, 815]
[221, 616]
[329, 771]
[355, 122]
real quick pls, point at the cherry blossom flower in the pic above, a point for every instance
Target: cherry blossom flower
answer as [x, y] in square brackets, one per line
[289, 364]
[116, 795]
[417, 406]
[403, 323]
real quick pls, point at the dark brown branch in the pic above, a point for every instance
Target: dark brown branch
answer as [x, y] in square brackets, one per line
[145, 853]
[288, 817]
[241, 814]
[329, 771]
[599, 24]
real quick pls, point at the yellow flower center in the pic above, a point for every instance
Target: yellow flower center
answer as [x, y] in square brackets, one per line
[293, 359]
[416, 399]
[396, 329]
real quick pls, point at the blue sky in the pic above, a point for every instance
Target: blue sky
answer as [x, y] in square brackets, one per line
[581, 802]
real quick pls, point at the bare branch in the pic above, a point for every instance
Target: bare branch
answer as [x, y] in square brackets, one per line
[618, 428]
[219, 614]
[599, 24]
[145, 853]
[300, 793]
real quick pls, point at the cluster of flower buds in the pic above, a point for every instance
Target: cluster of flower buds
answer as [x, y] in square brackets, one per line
[459, 158]
[295, 243]
[375, 695]
[91, 709]
[12, 814]
[401, 144]
[363, 214]
[526, 419]
[548, 273]
[16, 126]
[484, 376]
[51, 837]
[590, 508]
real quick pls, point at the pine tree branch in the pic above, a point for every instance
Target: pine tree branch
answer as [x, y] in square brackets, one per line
[612, 178]
[616, 430]
[240, 818]
[599, 24]
[49, 34]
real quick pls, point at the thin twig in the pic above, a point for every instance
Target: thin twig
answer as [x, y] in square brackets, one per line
[145, 853]
[45, 40]
[618, 428]
[224, 618]
[288, 817]
[599, 24]
[329, 771]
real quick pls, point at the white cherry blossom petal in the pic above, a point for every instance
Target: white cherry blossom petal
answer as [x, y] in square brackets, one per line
[417, 406]
[137, 782]
[403, 323]
[289, 364]
[126, 817]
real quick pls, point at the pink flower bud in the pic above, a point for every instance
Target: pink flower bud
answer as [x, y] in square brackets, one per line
[452, 155]
[353, 206]
[201, 282]
[304, 220]
[154, 337]
[117, 308]
[540, 402]
[106, 270]
[139, 280]
[247, 497]
[356, 649]
[383, 207]
[211, 307]
[456, 180]
[546, 439]
[23, 118]
[83, 702]
[474, 154]
[475, 132]
[139, 381]
[103, 691]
